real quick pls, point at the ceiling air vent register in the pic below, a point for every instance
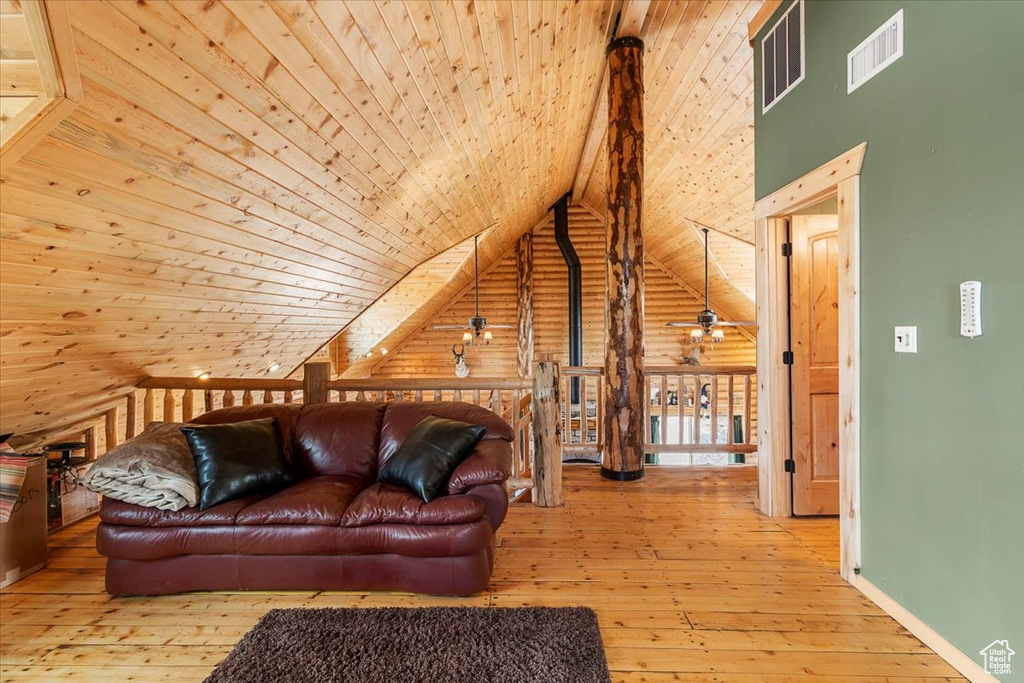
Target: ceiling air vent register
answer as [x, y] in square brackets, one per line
[879, 50]
[782, 56]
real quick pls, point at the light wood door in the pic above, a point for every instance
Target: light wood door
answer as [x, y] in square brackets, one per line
[814, 320]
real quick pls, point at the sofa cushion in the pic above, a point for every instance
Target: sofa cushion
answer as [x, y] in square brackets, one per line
[338, 439]
[127, 514]
[392, 504]
[429, 455]
[411, 540]
[238, 459]
[401, 418]
[321, 500]
[285, 415]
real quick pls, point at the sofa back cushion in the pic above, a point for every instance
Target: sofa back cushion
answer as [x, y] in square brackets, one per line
[400, 418]
[338, 439]
[286, 415]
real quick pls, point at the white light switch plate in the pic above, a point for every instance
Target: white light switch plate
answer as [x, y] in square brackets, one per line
[906, 339]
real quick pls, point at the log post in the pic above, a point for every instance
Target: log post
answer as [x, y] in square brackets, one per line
[314, 383]
[130, 416]
[110, 428]
[91, 450]
[623, 453]
[547, 435]
[524, 304]
[148, 407]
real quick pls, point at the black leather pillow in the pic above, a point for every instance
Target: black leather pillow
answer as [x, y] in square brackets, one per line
[429, 455]
[238, 459]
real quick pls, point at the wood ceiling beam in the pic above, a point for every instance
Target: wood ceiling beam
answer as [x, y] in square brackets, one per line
[761, 18]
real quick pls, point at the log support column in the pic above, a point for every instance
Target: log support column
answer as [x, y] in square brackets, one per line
[623, 457]
[547, 435]
[524, 304]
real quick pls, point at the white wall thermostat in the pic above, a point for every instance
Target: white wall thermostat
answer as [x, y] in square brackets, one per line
[970, 308]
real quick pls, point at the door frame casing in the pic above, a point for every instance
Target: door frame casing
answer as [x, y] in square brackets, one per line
[841, 177]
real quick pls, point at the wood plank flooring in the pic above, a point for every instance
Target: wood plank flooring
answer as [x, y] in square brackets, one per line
[689, 582]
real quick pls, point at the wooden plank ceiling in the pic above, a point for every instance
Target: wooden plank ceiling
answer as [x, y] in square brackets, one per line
[242, 179]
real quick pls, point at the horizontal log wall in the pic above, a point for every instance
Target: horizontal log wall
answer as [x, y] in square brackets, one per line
[429, 354]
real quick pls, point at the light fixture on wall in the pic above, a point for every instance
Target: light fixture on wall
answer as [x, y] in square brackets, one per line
[204, 376]
[274, 367]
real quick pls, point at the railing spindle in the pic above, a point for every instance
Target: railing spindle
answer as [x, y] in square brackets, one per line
[208, 400]
[747, 436]
[696, 409]
[130, 417]
[731, 431]
[713, 405]
[110, 428]
[187, 405]
[228, 398]
[247, 398]
[168, 405]
[148, 407]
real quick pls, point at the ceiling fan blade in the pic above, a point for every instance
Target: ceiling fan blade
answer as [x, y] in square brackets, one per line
[499, 327]
[451, 327]
[735, 323]
[675, 324]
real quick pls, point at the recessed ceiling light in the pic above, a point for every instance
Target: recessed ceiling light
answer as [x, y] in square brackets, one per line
[383, 351]
[274, 367]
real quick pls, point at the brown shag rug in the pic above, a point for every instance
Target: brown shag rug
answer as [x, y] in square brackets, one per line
[429, 645]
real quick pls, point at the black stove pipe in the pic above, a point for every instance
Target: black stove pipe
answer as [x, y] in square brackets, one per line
[572, 262]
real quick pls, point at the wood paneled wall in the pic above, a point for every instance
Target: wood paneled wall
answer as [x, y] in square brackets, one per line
[429, 352]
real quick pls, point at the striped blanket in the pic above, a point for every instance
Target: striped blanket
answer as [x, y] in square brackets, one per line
[12, 476]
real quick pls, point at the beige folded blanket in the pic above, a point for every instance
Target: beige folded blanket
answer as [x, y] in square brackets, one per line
[155, 469]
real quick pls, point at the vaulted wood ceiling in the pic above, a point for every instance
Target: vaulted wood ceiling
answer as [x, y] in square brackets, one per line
[242, 179]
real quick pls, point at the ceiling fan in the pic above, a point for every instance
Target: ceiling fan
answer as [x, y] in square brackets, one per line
[707, 321]
[477, 324]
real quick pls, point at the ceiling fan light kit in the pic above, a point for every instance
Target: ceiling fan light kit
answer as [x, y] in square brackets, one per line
[475, 326]
[707, 320]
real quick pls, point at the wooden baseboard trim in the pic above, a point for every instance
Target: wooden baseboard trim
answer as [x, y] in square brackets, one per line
[927, 635]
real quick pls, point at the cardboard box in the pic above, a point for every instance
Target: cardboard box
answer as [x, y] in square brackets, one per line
[23, 537]
[69, 501]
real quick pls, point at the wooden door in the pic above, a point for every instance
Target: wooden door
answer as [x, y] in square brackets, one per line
[814, 324]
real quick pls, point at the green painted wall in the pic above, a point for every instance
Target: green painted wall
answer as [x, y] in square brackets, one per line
[942, 192]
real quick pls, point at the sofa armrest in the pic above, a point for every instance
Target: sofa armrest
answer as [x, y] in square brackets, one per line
[489, 463]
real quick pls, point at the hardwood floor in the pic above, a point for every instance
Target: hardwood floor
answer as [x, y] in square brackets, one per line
[690, 584]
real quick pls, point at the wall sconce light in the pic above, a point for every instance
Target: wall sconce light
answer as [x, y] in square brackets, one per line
[274, 367]
[717, 335]
[204, 376]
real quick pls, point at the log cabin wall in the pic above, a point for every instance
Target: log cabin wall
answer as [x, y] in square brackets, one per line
[429, 352]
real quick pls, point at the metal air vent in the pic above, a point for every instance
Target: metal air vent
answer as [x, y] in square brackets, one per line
[782, 56]
[879, 50]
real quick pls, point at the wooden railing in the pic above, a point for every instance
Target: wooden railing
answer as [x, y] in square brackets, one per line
[184, 398]
[694, 409]
[674, 425]
[582, 412]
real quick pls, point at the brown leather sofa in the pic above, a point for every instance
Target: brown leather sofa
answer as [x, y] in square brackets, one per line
[336, 528]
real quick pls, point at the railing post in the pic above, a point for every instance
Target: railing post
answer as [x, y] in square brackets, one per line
[315, 377]
[110, 428]
[130, 417]
[547, 436]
